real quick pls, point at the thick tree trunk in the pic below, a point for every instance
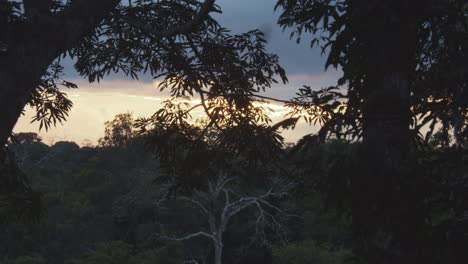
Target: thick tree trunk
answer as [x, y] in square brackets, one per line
[384, 208]
[386, 137]
[20, 72]
[11, 105]
[33, 46]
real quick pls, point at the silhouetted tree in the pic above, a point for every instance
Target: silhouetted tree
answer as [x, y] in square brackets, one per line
[37, 33]
[27, 137]
[102, 36]
[396, 57]
[175, 39]
[118, 132]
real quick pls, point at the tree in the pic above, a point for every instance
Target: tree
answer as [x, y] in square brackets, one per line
[32, 40]
[395, 57]
[35, 35]
[218, 206]
[28, 138]
[175, 39]
[235, 139]
[118, 132]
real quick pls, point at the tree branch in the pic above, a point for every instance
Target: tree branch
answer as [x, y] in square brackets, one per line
[190, 236]
[205, 9]
[198, 203]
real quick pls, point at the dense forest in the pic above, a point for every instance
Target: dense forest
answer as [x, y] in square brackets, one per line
[384, 180]
[111, 204]
[118, 203]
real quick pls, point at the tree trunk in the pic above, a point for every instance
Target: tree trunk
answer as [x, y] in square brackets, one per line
[218, 247]
[21, 69]
[386, 136]
[11, 106]
[385, 209]
[33, 45]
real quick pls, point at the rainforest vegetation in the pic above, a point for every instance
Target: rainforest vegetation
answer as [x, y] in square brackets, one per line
[384, 180]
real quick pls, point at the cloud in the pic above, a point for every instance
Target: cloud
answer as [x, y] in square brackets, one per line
[98, 102]
[129, 88]
[328, 76]
[244, 15]
[296, 81]
[118, 86]
[240, 16]
[93, 106]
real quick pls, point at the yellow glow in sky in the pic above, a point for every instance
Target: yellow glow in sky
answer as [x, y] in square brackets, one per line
[94, 104]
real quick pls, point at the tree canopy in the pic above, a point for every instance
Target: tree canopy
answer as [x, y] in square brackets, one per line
[403, 83]
[176, 40]
[389, 160]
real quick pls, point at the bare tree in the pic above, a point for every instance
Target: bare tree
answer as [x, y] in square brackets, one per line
[220, 203]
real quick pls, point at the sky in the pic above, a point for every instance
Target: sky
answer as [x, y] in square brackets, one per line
[97, 103]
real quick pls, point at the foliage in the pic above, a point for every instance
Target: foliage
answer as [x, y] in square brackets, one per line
[96, 195]
[348, 30]
[222, 202]
[309, 252]
[78, 186]
[413, 201]
[226, 72]
[51, 104]
[18, 200]
[119, 252]
[176, 40]
[438, 178]
[171, 253]
[190, 153]
[115, 252]
[28, 138]
[327, 168]
[26, 260]
[401, 91]
[118, 132]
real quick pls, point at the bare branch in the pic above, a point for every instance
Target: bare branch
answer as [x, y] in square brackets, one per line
[216, 204]
[197, 203]
[189, 236]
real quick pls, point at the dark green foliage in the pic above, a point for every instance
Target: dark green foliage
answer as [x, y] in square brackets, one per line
[98, 196]
[119, 252]
[51, 104]
[190, 153]
[119, 132]
[176, 40]
[385, 177]
[352, 34]
[404, 70]
[308, 252]
[436, 184]
[79, 187]
[18, 200]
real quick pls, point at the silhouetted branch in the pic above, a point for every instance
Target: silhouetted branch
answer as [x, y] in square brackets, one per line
[205, 9]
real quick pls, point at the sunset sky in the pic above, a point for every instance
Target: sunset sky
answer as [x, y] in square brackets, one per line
[96, 103]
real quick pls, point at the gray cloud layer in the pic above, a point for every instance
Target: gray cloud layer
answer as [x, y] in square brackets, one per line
[244, 15]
